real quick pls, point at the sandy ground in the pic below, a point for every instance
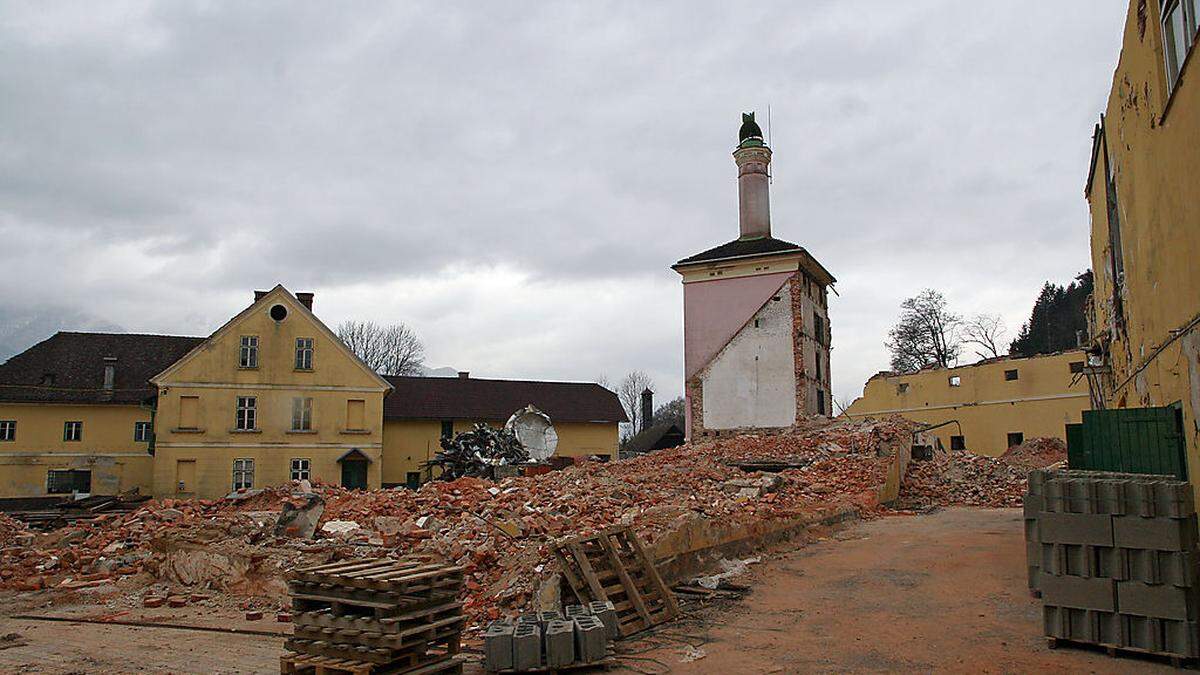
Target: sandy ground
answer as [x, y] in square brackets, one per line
[941, 592]
[944, 592]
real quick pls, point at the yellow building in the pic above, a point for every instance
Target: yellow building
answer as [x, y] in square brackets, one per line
[1145, 221]
[988, 406]
[271, 396]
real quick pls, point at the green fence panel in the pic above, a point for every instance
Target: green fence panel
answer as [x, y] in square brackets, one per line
[1130, 440]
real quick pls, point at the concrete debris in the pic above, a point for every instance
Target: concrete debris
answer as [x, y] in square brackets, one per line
[339, 526]
[1036, 453]
[299, 519]
[959, 477]
[730, 569]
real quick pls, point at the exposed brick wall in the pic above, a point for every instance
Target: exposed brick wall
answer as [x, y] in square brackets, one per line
[799, 336]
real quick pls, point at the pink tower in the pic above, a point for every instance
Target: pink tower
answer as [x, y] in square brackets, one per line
[755, 318]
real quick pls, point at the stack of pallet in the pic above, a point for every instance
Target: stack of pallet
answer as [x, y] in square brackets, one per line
[375, 615]
[612, 566]
[1115, 559]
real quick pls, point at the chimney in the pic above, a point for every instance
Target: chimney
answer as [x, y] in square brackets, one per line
[464, 374]
[647, 408]
[305, 299]
[258, 295]
[753, 159]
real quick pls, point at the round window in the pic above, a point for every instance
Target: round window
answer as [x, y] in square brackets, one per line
[278, 312]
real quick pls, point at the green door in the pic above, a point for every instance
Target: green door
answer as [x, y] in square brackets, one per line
[354, 474]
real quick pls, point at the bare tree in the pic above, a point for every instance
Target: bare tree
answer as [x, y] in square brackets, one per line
[629, 391]
[986, 332]
[388, 350]
[927, 333]
[671, 412]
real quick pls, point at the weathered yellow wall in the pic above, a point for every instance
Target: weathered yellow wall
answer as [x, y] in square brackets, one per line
[213, 375]
[1154, 351]
[1040, 403]
[107, 448]
[407, 444]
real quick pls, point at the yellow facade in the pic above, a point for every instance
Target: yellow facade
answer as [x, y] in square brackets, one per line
[106, 447]
[1145, 231]
[987, 403]
[408, 444]
[198, 437]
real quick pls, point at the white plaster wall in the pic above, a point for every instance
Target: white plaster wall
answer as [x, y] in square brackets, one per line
[752, 381]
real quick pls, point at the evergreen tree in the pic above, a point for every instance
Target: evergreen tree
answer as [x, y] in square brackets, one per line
[1058, 314]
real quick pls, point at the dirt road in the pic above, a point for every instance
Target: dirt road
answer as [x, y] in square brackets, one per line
[944, 592]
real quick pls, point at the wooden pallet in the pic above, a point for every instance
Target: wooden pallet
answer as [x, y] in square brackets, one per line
[613, 566]
[304, 664]
[411, 617]
[380, 574]
[1116, 651]
[375, 588]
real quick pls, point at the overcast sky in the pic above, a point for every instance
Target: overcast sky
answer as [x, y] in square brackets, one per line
[514, 180]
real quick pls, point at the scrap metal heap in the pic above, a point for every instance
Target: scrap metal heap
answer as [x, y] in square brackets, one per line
[478, 452]
[498, 532]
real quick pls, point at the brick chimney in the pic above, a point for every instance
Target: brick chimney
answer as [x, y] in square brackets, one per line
[753, 159]
[464, 374]
[647, 408]
[305, 299]
[258, 295]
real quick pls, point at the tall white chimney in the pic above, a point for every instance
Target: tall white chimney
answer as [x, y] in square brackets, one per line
[753, 159]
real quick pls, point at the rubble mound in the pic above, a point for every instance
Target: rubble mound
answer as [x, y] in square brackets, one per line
[962, 478]
[497, 531]
[1036, 453]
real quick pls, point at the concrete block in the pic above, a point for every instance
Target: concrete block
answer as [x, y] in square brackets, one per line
[1139, 499]
[529, 617]
[607, 614]
[591, 639]
[527, 646]
[1173, 499]
[1174, 568]
[1180, 638]
[1110, 496]
[1140, 632]
[546, 617]
[1032, 575]
[1078, 592]
[498, 646]
[1107, 627]
[1053, 559]
[1032, 505]
[560, 643]
[577, 610]
[1157, 601]
[1081, 495]
[1036, 479]
[1076, 528]
[1108, 562]
[1055, 497]
[1160, 534]
[1032, 532]
[1066, 623]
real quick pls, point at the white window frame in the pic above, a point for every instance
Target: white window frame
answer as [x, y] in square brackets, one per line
[72, 431]
[243, 473]
[302, 414]
[248, 353]
[141, 437]
[246, 416]
[8, 430]
[304, 353]
[1188, 22]
[955, 380]
[301, 468]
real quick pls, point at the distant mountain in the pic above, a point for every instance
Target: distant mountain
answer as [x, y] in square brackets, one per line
[21, 328]
[445, 371]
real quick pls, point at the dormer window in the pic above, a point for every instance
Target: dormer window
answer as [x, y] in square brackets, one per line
[248, 355]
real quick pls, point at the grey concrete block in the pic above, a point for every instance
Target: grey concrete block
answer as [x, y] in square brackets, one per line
[1054, 495]
[1160, 534]
[1174, 568]
[1140, 632]
[591, 639]
[546, 617]
[1081, 495]
[1173, 499]
[1032, 505]
[607, 614]
[1180, 638]
[1076, 528]
[1108, 562]
[1110, 496]
[1157, 601]
[527, 646]
[560, 643]
[529, 617]
[1078, 592]
[577, 610]
[498, 646]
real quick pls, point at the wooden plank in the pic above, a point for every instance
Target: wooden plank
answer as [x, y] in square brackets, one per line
[631, 591]
[572, 580]
[586, 568]
[652, 573]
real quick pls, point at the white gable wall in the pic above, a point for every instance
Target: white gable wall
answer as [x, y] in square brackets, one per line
[752, 381]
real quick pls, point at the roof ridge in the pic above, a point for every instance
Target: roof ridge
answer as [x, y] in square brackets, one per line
[102, 332]
[491, 379]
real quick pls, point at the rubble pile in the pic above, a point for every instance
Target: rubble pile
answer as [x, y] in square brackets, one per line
[497, 531]
[962, 478]
[1036, 453]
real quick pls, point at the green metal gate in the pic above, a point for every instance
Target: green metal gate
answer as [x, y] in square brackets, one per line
[1129, 440]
